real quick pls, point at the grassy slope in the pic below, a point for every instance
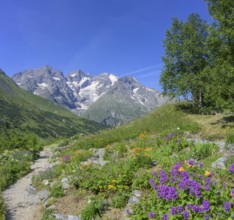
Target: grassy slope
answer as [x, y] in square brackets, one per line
[130, 149]
[28, 112]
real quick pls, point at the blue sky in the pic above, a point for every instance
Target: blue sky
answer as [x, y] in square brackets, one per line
[124, 37]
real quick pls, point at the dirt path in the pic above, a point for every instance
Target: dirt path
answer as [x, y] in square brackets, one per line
[19, 198]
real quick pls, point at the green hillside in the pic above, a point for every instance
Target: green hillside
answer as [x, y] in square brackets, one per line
[26, 112]
[135, 158]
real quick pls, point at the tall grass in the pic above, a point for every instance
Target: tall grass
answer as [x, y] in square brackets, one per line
[165, 117]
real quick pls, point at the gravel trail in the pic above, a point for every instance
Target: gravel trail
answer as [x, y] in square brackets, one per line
[20, 199]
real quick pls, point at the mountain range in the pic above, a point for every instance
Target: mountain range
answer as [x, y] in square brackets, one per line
[103, 98]
[20, 110]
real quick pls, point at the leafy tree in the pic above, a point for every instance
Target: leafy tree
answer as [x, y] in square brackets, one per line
[185, 59]
[223, 13]
[221, 44]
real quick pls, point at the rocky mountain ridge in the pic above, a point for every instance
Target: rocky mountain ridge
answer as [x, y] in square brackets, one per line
[104, 98]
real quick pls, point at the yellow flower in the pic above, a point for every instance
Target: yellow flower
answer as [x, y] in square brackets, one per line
[110, 186]
[114, 181]
[207, 173]
[181, 169]
[190, 165]
[147, 155]
[142, 135]
[148, 149]
[81, 167]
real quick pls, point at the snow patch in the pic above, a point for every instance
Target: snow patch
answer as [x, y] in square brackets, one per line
[42, 85]
[113, 78]
[135, 90]
[56, 78]
[83, 80]
[73, 75]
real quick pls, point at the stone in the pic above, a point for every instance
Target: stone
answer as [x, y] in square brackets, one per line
[52, 207]
[49, 202]
[137, 193]
[133, 200]
[45, 182]
[220, 163]
[31, 190]
[60, 216]
[43, 195]
[65, 183]
[72, 217]
[154, 163]
[230, 149]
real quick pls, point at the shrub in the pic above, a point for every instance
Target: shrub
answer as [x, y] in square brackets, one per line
[119, 200]
[95, 207]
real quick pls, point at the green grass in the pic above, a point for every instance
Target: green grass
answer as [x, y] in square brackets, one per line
[164, 118]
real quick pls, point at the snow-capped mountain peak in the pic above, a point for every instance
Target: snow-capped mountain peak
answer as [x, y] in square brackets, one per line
[104, 95]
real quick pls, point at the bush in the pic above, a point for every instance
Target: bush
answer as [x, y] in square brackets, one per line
[95, 207]
[2, 208]
[120, 200]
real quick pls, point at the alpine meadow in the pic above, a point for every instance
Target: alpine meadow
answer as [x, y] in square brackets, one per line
[105, 146]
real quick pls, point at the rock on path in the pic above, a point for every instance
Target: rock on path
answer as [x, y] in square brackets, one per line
[20, 198]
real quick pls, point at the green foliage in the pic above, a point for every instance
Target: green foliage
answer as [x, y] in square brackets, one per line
[202, 151]
[119, 200]
[56, 191]
[165, 117]
[185, 58]
[47, 214]
[199, 59]
[230, 138]
[94, 208]
[11, 170]
[141, 180]
[2, 208]
[49, 175]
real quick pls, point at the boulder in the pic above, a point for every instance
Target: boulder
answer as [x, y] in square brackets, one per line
[65, 183]
[220, 163]
[43, 195]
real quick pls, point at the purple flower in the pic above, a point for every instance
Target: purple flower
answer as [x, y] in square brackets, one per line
[201, 177]
[128, 212]
[154, 174]
[189, 206]
[200, 209]
[232, 193]
[165, 217]
[231, 169]
[227, 206]
[206, 205]
[195, 208]
[151, 215]
[179, 209]
[167, 192]
[207, 184]
[206, 217]
[186, 214]
[163, 177]
[153, 184]
[192, 162]
[201, 165]
[173, 210]
[66, 158]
